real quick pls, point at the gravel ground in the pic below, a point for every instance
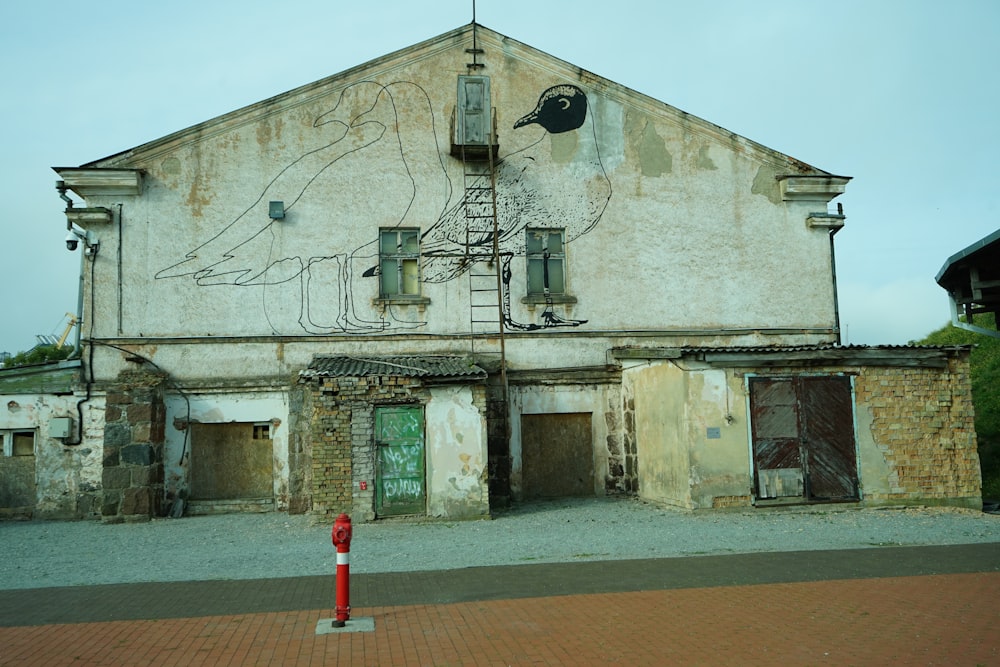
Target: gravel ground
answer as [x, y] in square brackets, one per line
[255, 546]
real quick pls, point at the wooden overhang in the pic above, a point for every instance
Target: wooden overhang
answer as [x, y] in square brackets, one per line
[972, 279]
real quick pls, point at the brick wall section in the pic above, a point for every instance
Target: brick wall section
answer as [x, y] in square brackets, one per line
[341, 439]
[498, 440]
[134, 427]
[923, 425]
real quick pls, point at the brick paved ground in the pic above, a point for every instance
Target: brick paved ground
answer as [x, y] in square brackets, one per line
[950, 619]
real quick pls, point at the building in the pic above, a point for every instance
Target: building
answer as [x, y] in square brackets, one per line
[972, 279]
[469, 272]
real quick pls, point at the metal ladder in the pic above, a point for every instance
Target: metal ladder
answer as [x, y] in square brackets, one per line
[482, 257]
[486, 307]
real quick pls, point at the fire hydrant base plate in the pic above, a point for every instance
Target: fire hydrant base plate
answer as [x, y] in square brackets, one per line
[325, 626]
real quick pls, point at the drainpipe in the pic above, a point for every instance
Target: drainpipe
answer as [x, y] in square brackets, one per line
[77, 350]
[90, 247]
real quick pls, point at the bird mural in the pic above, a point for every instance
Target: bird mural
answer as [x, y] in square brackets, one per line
[309, 272]
[532, 190]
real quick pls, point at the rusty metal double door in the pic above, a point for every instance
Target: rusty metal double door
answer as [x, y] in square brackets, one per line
[803, 438]
[400, 469]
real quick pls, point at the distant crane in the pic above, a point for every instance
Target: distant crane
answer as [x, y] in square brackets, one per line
[73, 321]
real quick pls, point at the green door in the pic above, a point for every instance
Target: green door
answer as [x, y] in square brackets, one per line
[399, 441]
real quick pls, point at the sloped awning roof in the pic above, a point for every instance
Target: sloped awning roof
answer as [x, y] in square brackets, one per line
[49, 378]
[434, 366]
[929, 356]
[972, 279]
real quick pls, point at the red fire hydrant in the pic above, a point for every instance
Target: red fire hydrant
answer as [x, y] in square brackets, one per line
[342, 540]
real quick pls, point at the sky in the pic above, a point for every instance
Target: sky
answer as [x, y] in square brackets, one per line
[901, 95]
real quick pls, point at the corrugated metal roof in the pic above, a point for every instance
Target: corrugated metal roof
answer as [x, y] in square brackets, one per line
[441, 366]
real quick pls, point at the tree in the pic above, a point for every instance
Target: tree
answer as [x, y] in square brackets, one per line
[39, 354]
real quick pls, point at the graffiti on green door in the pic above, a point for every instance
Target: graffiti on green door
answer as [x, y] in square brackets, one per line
[399, 440]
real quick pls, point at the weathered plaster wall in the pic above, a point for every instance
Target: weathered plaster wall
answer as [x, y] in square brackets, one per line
[602, 401]
[219, 408]
[717, 431]
[457, 475]
[66, 480]
[659, 393]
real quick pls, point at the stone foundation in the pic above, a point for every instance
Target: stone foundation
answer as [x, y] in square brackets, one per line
[133, 449]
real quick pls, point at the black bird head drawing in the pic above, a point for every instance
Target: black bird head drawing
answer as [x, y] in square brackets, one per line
[561, 108]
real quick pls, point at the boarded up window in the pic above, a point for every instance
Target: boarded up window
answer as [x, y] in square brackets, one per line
[557, 455]
[229, 463]
[23, 443]
[17, 443]
[17, 469]
[803, 438]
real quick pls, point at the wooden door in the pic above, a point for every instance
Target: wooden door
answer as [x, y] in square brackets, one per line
[777, 448]
[831, 468]
[557, 455]
[803, 438]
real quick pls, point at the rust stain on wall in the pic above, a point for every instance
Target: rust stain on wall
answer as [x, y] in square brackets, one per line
[196, 198]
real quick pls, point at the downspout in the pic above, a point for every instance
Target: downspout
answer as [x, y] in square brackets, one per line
[78, 350]
[61, 188]
[86, 369]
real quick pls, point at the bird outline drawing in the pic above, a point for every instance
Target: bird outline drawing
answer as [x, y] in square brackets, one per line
[325, 286]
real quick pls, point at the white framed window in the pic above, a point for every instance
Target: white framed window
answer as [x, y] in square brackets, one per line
[399, 263]
[19, 442]
[546, 255]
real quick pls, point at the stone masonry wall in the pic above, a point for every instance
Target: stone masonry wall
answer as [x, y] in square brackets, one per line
[299, 456]
[923, 425]
[133, 448]
[623, 476]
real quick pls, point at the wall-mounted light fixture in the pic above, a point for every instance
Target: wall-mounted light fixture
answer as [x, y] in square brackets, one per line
[276, 210]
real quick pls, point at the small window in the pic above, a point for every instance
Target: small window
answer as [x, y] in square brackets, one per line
[261, 431]
[546, 262]
[18, 443]
[399, 263]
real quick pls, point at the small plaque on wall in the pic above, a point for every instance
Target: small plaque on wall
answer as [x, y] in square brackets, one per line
[713, 433]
